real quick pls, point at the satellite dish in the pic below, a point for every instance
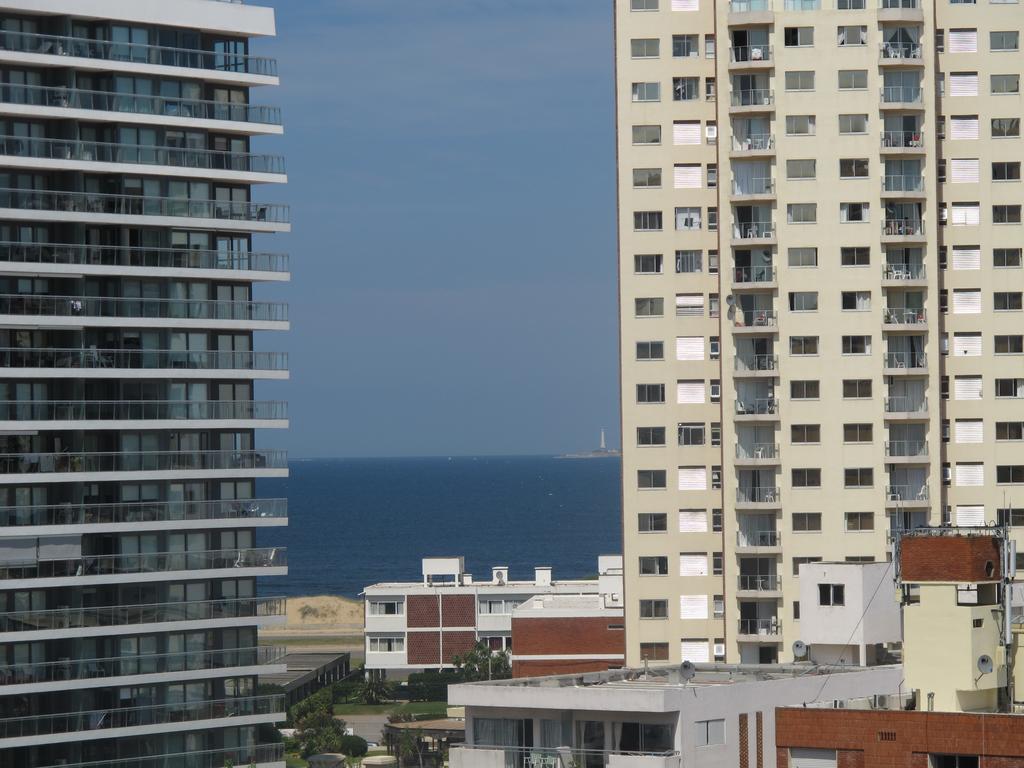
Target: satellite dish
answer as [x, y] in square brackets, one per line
[687, 671]
[730, 300]
[799, 649]
[985, 664]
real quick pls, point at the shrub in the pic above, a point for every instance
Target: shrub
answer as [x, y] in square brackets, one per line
[354, 746]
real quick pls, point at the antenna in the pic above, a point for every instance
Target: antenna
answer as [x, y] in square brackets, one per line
[985, 666]
[799, 649]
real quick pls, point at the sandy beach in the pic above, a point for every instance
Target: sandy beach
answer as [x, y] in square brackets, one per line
[321, 620]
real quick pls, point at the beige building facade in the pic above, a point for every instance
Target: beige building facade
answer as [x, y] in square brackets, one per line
[820, 292]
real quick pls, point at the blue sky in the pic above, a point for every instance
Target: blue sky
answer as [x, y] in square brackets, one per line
[451, 169]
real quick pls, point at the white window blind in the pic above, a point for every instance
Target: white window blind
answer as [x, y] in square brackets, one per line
[693, 479]
[970, 430]
[966, 215]
[685, 5]
[970, 514]
[966, 302]
[690, 392]
[689, 304]
[964, 127]
[964, 170]
[689, 348]
[693, 565]
[693, 521]
[812, 758]
[686, 132]
[970, 474]
[963, 41]
[687, 176]
[711, 132]
[967, 344]
[963, 84]
[693, 606]
[966, 257]
[967, 388]
[695, 651]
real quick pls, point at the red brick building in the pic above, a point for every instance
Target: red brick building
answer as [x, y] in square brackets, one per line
[563, 634]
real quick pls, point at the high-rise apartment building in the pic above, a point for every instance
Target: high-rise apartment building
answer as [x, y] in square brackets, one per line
[130, 244]
[821, 281]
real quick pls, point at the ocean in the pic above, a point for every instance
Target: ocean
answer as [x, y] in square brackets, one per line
[355, 522]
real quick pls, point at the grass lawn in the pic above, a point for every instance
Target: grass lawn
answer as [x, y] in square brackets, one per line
[316, 640]
[435, 708]
[292, 760]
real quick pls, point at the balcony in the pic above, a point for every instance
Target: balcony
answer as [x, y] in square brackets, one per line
[484, 756]
[900, 11]
[752, 100]
[906, 495]
[138, 53]
[758, 540]
[755, 144]
[107, 362]
[905, 362]
[906, 406]
[760, 583]
[902, 318]
[752, 231]
[902, 97]
[758, 406]
[903, 229]
[755, 187]
[905, 186]
[754, 277]
[903, 274]
[147, 562]
[177, 513]
[756, 364]
[902, 142]
[128, 260]
[192, 161]
[750, 56]
[757, 495]
[26, 99]
[755, 319]
[84, 463]
[756, 453]
[87, 205]
[900, 53]
[760, 630]
[142, 410]
[102, 619]
[126, 666]
[909, 450]
[259, 755]
[750, 12]
[188, 313]
[97, 724]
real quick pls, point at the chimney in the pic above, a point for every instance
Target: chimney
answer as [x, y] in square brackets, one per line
[542, 575]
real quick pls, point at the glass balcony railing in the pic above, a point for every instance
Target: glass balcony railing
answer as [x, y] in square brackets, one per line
[256, 754]
[909, 271]
[121, 666]
[899, 4]
[142, 512]
[757, 451]
[131, 615]
[802, 5]
[902, 140]
[756, 363]
[753, 230]
[902, 94]
[900, 51]
[756, 318]
[906, 448]
[740, 54]
[147, 562]
[913, 492]
[760, 627]
[760, 583]
[138, 104]
[913, 360]
[133, 717]
[141, 410]
[747, 275]
[757, 406]
[749, 6]
[903, 227]
[903, 316]
[20, 305]
[903, 184]
[758, 539]
[142, 205]
[753, 186]
[140, 256]
[753, 97]
[567, 757]
[147, 461]
[138, 154]
[757, 495]
[903, 404]
[137, 53]
[51, 357]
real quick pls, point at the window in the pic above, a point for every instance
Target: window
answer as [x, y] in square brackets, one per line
[831, 594]
[1008, 301]
[796, 610]
[798, 37]
[688, 261]
[716, 433]
[859, 477]
[652, 522]
[1005, 127]
[963, 84]
[643, 5]
[856, 389]
[654, 566]
[800, 125]
[798, 561]
[647, 134]
[650, 393]
[806, 477]
[1010, 430]
[1006, 171]
[387, 608]
[857, 433]
[654, 609]
[803, 301]
[685, 88]
[686, 132]
[849, 124]
[856, 345]
[1010, 388]
[852, 35]
[807, 522]
[852, 168]
[716, 520]
[647, 221]
[712, 175]
[650, 435]
[709, 88]
[1009, 344]
[654, 651]
[801, 169]
[709, 732]
[1006, 214]
[1006, 258]
[646, 48]
[964, 127]
[803, 345]
[650, 350]
[805, 389]
[691, 434]
[709, 46]
[802, 213]
[717, 563]
[712, 219]
[860, 521]
[851, 5]
[647, 178]
[1011, 516]
[687, 218]
[649, 307]
[805, 433]
[646, 91]
[1004, 41]
[718, 606]
[851, 212]
[1002, 84]
[800, 81]
[855, 301]
[647, 263]
[853, 79]
[686, 46]
[859, 256]
[802, 257]
[1010, 474]
[387, 644]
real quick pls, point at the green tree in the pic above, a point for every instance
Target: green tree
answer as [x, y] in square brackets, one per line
[375, 690]
[318, 732]
[410, 746]
[481, 663]
[322, 700]
[354, 746]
